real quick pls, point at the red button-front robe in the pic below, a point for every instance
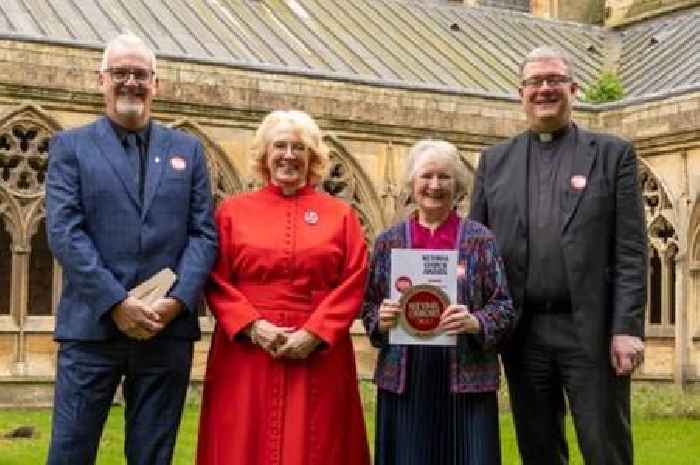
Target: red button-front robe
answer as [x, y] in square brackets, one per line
[295, 261]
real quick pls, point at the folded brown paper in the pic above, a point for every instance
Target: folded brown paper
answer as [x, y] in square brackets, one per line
[155, 287]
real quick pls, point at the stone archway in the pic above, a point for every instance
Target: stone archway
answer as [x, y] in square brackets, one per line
[225, 179]
[24, 140]
[663, 243]
[347, 181]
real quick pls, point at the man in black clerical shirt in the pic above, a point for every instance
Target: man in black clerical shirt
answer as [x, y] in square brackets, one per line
[566, 210]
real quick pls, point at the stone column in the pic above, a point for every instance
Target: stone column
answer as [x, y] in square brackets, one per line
[18, 303]
[681, 340]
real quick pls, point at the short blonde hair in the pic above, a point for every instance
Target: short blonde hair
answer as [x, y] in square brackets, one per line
[310, 134]
[431, 148]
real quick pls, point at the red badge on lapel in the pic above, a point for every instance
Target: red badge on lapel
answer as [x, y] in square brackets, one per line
[178, 163]
[310, 217]
[578, 182]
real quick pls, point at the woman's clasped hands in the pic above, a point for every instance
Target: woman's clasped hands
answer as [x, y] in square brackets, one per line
[283, 342]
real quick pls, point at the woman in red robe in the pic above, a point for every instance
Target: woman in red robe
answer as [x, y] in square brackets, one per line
[281, 385]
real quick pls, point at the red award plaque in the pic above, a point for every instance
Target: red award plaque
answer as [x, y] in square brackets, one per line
[421, 308]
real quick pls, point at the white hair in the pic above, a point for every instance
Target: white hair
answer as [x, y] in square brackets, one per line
[431, 148]
[130, 42]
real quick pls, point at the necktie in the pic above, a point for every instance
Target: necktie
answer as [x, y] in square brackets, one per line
[137, 159]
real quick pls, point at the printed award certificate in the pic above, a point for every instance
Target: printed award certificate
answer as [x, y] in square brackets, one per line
[424, 282]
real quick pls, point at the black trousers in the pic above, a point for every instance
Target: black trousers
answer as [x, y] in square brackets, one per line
[156, 376]
[550, 363]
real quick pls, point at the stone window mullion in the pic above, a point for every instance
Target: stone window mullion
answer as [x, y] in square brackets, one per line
[18, 302]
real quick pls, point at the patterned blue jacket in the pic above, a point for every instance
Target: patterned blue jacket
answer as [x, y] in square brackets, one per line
[474, 361]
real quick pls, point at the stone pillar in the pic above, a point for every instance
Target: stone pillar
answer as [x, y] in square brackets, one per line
[681, 340]
[18, 303]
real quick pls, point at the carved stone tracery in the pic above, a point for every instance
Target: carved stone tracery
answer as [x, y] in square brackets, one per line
[224, 178]
[347, 181]
[663, 244]
[24, 143]
[658, 211]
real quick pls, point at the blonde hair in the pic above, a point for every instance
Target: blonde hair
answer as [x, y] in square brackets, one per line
[127, 41]
[430, 148]
[310, 134]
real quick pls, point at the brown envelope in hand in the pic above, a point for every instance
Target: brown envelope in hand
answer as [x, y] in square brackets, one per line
[154, 288]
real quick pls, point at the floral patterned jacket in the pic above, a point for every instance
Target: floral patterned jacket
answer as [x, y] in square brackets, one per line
[482, 287]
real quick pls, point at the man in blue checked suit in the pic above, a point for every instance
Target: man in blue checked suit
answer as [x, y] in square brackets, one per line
[125, 198]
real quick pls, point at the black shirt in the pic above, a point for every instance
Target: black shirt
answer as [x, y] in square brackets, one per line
[549, 172]
[138, 164]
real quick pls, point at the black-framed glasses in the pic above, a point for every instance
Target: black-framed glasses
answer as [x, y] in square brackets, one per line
[121, 74]
[553, 80]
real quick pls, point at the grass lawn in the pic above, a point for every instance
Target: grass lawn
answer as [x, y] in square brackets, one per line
[666, 428]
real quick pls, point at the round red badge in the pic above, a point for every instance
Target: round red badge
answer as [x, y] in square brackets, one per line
[421, 308]
[310, 217]
[578, 182]
[403, 283]
[178, 163]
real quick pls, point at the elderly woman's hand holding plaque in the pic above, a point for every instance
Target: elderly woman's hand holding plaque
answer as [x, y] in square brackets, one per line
[389, 312]
[457, 319]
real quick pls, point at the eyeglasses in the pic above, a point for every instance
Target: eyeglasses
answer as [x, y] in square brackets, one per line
[285, 145]
[121, 75]
[553, 80]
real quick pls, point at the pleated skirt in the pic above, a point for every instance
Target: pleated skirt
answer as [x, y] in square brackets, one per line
[429, 425]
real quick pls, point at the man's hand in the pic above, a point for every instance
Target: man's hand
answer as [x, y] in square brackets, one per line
[626, 353]
[457, 319]
[267, 335]
[299, 345]
[167, 309]
[135, 319]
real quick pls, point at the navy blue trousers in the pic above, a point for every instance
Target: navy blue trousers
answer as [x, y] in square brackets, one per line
[155, 377]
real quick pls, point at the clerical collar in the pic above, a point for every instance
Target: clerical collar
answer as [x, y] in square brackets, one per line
[548, 137]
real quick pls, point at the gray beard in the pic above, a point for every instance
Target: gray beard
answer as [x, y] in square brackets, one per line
[128, 108]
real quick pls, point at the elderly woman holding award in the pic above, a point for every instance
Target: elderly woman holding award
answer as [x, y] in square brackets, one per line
[437, 404]
[281, 386]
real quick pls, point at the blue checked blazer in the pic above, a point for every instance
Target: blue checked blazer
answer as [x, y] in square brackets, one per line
[107, 242]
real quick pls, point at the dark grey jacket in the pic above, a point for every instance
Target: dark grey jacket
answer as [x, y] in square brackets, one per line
[602, 231]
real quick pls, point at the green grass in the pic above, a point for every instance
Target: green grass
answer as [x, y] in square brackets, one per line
[666, 426]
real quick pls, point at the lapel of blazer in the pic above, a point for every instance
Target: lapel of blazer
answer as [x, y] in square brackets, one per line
[157, 159]
[520, 152]
[584, 157]
[112, 150]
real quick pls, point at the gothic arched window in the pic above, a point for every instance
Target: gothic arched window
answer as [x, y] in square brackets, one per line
[663, 249]
[40, 275]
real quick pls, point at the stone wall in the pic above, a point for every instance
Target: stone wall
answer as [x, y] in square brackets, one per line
[369, 130]
[624, 12]
[588, 11]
